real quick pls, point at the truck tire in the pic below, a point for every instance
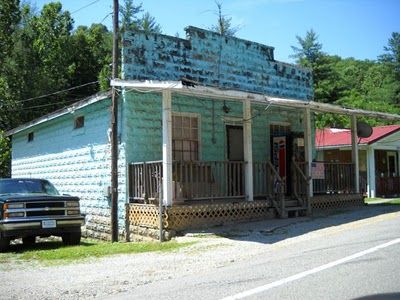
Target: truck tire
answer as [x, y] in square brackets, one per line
[4, 243]
[29, 240]
[72, 238]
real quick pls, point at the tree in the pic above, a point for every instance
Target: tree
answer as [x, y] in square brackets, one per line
[9, 18]
[149, 24]
[224, 24]
[132, 20]
[5, 155]
[310, 49]
[392, 50]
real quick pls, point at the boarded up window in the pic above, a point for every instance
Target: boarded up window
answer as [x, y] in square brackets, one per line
[79, 122]
[185, 138]
[30, 137]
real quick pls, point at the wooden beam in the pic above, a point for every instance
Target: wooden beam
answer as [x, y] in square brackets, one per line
[308, 149]
[354, 153]
[248, 151]
[371, 172]
[167, 146]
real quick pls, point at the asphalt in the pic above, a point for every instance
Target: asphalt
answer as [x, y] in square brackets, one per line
[300, 246]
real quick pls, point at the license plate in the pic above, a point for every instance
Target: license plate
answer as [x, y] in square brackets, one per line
[49, 224]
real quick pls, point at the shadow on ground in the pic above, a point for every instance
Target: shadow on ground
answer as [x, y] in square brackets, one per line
[276, 230]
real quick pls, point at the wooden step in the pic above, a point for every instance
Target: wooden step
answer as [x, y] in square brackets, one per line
[295, 208]
[291, 203]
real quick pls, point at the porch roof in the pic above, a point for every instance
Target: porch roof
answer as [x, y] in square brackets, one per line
[188, 87]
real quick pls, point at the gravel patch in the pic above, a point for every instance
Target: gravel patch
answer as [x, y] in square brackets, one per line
[108, 276]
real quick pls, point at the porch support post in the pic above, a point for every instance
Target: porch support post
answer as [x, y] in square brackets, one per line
[308, 150]
[248, 151]
[167, 147]
[371, 172]
[354, 153]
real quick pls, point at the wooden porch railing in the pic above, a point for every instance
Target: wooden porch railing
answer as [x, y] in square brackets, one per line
[300, 182]
[208, 180]
[145, 180]
[337, 178]
[191, 180]
[268, 184]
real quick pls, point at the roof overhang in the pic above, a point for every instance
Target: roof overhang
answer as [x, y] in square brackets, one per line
[211, 92]
[69, 109]
[340, 147]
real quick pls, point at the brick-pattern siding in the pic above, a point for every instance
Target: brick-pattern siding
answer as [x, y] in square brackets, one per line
[77, 161]
[214, 60]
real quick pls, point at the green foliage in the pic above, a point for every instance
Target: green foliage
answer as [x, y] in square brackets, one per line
[310, 49]
[368, 85]
[9, 18]
[133, 20]
[5, 155]
[224, 23]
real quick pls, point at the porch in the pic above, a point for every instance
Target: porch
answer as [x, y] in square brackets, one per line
[210, 193]
[263, 165]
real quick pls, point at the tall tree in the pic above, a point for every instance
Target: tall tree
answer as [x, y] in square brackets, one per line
[5, 155]
[392, 51]
[9, 19]
[133, 19]
[310, 49]
[224, 23]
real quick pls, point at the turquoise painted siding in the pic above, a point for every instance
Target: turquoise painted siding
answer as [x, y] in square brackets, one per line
[142, 126]
[214, 60]
[77, 161]
[142, 121]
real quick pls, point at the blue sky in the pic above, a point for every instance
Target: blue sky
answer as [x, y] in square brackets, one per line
[348, 28]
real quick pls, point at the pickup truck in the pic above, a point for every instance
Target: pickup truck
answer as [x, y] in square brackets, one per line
[33, 207]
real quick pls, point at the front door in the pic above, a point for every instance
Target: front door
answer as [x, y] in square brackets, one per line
[235, 143]
[281, 151]
[235, 156]
[391, 164]
[279, 157]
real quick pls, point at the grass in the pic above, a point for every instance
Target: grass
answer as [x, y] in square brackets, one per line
[395, 201]
[56, 252]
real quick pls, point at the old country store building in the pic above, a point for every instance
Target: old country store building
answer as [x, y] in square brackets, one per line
[213, 128]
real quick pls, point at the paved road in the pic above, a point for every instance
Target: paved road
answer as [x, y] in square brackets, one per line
[358, 260]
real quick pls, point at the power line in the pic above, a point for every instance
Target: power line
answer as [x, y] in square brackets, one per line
[109, 14]
[58, 92]
[41, 106]
[83, 7]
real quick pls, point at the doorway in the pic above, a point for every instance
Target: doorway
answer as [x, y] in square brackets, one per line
[235, 157]
[392, 164]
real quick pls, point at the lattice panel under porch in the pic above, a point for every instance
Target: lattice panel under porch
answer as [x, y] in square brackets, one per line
[145, 215]
[337, 201]
[195, 216]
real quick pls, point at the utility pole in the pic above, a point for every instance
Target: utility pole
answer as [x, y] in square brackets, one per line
[114, 131]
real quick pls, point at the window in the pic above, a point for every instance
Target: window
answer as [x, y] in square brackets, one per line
[79, 122]
[30, 137]
[185, 138]
[279, 130]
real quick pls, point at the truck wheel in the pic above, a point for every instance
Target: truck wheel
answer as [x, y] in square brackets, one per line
[73, 238]
[29, 240]
[4, 243]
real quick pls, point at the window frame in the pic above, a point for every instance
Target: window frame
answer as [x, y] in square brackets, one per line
[198, 140]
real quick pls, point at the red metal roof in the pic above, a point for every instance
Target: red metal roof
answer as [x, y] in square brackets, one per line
[329, 137]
